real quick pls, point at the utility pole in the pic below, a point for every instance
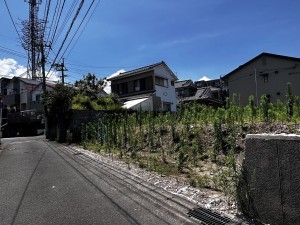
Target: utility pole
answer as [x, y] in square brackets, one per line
[43, 62]
[61, 67]
[32, 20]
[255, 80]
[32, 38]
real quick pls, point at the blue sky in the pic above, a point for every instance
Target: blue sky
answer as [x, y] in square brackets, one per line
[195, 38]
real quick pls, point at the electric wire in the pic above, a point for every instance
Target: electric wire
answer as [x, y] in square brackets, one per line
[102, 67]
[77, 29]
[83, 29]
[53, 18]
[64, 23]
[57, 23]
[46, 16]
[12, 52]
[54, 26]
[68, 32]
[12, 20]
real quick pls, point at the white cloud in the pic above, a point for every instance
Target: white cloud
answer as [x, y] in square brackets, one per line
[53, 76]
[107, 87]
[10, 68]
[188, 40]
[204, 78]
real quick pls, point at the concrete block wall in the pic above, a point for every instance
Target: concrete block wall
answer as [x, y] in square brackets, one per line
[272, 165]
[80, 117]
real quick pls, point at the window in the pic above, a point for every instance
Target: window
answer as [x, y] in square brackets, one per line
[140, 85]
[265, 77]
[122, 88]
[38, 97]
[137, 85]
[269, 98]
[161, 81]
[172, 82]
[166, 106]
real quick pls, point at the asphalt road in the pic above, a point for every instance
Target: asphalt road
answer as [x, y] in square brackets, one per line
[43, 182]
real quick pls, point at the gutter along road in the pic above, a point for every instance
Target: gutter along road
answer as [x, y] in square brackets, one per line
[43, 182]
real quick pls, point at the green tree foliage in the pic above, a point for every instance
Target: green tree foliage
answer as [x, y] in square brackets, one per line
[90, 86]
[289, 101]
[217, 135]
[264, 107]
[59, 100]
[252, 108]
[190, 137]
[90, 95]
[182, 159]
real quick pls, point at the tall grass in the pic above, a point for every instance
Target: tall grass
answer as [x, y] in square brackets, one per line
[173, 143]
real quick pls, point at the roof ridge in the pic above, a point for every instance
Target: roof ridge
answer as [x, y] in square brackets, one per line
[144, 67]
[258, 56]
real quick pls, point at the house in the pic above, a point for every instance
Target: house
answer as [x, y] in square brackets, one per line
[207, 96]
[23, 94]
[36, 96]
[208, 83]
[147, 88]
[266, 74]
[185, 88]
[206, 92]
[3, 82]
[18, 93]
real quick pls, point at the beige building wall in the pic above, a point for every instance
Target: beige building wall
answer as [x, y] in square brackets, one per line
[265, 75]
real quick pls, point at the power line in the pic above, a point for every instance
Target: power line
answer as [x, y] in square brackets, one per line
[64, 23]
[103, 67]
[12, 20]
[84, 28]
[80, 26]
[46, 15]
[68, 32]
[56, 26]
[12, 52]
[53, 18]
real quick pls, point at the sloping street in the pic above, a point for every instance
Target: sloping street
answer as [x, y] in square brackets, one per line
[42, 182]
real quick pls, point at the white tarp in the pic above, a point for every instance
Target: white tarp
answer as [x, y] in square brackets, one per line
[132, 103]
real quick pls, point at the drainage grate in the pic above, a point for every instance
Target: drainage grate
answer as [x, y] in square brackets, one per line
[208, 217]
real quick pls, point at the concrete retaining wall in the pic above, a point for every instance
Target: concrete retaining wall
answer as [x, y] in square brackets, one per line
[272, 167]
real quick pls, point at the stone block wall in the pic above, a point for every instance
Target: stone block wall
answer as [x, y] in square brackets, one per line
[272, 168]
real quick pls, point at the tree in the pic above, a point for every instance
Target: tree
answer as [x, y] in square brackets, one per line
[88, 96]
[90, 86]
[59, 102]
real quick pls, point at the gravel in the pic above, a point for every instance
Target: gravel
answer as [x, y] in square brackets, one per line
[206, 198]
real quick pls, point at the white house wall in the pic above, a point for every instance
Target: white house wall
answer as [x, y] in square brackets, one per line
[25, 97]
[145, 105]
[167, 94]
[39, 91]
[36, 92]
[10, 88]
